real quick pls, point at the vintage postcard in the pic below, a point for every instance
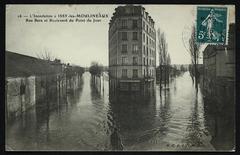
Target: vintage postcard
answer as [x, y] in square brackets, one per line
[111, 77]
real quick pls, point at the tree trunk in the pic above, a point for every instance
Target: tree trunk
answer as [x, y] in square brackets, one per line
[165, 79]
[195, 71]
[160, 81]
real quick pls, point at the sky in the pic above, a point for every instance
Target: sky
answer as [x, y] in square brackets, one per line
[81, 43]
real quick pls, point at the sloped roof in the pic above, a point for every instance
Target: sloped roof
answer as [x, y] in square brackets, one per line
[18, 65]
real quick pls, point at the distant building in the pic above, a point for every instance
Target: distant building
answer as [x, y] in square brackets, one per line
[219, 70]
[132, 48]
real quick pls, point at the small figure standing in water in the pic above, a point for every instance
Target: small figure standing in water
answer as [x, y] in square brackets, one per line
[116, 140]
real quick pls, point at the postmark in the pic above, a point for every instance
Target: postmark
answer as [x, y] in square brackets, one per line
[211, 25]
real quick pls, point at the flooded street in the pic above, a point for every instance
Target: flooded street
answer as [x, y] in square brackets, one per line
[173, 119]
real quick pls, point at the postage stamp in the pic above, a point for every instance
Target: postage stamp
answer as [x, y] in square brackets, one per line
[211, 25]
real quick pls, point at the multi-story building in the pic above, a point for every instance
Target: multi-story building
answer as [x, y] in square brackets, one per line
[132, 49]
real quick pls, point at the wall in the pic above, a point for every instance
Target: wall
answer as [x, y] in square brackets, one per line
[225, 63]
[219, 77]
[46, 91]
[17, 103]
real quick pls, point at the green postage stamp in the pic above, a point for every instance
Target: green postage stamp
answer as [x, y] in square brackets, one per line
[211, 25]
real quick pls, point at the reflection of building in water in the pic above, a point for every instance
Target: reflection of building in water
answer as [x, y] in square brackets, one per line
[135, 121]
[137, 97]
[220, 125]
[132, 49]
[219, 90]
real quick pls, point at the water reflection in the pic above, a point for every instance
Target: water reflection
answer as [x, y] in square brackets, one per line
[194, 132]
[220, 125]
[133, 116]
[172, 118]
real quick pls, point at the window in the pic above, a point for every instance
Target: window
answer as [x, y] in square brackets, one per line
[147, 39]
[134, 23]
[124, 23]
[135, 60]
[124, 35]
[143, 37]
[143, 25]
[135, 48]
[144, 49]
[135, 36]
[124, 60]
[147, 28]
[144, 61]
[135, 73]
[124, 48]
[124, 72]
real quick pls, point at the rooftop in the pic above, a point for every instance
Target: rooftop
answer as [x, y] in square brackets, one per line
[129, 10]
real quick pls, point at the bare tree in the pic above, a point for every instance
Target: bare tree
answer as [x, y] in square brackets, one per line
[168, 64]
[46, 55]
[194, 53]
[162, 45]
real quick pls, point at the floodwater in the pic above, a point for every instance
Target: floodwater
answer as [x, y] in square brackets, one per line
[174, 119]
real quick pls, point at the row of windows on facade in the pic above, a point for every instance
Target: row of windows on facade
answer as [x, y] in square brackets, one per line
[133, 10]
[146, 61]
[134, 24]
[148, 28]
[148, 72]
[146, 51]
[125, 36]
[125, 23]
[146, 39]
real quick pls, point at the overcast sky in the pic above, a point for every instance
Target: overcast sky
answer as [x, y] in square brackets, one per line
[81, 43]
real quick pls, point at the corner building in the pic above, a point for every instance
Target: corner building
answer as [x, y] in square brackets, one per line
[132, 49]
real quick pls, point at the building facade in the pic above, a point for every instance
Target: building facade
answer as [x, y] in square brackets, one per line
[219, 72]
[132, 49]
